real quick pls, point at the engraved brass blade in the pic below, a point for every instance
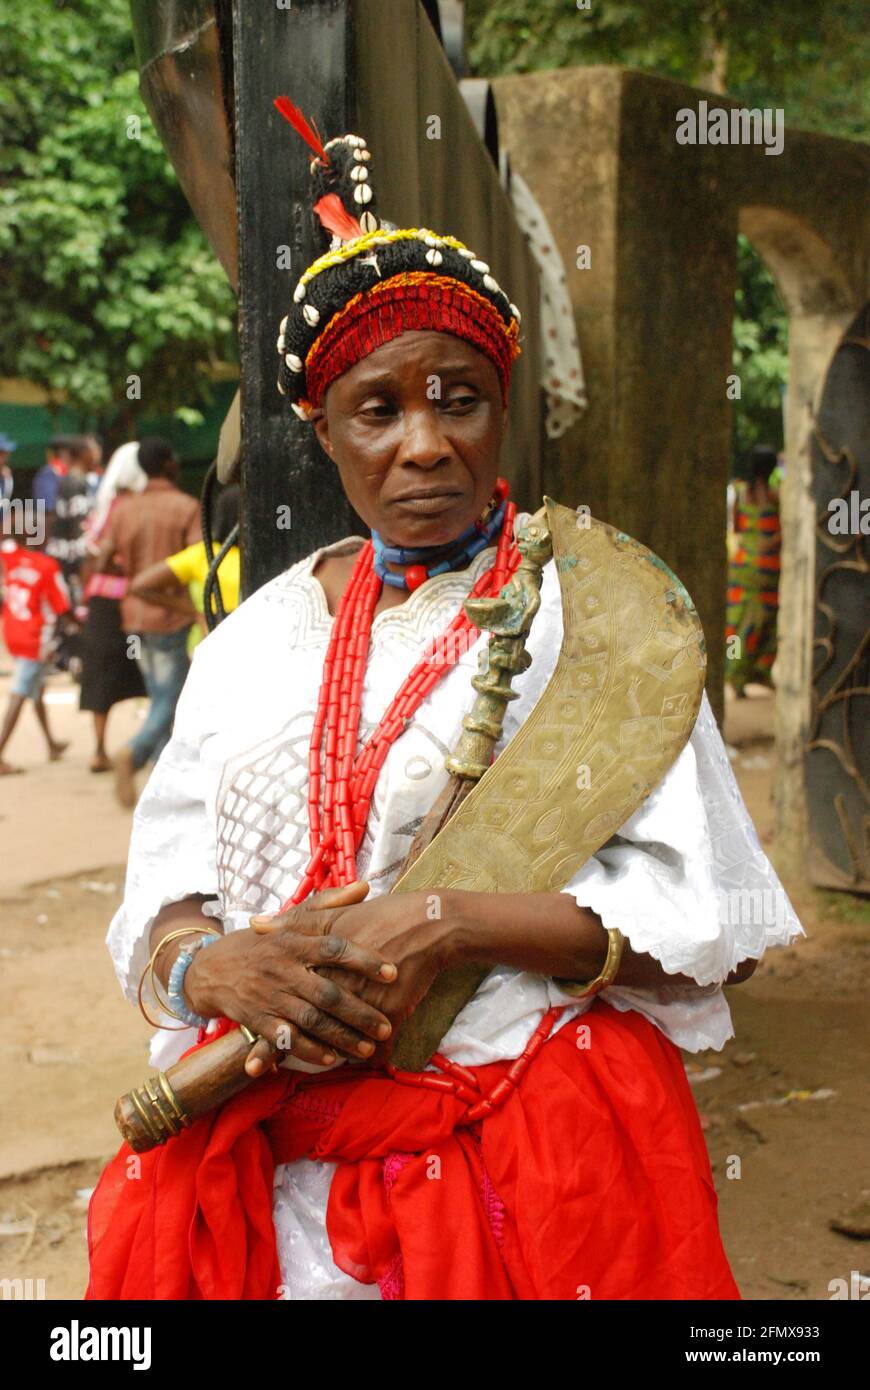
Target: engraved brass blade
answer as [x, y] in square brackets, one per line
[618, 710]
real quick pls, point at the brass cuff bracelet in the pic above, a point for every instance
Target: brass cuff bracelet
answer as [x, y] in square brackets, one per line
[581, 990]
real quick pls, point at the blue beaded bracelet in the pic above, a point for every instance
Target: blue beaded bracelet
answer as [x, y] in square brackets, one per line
[175, 989]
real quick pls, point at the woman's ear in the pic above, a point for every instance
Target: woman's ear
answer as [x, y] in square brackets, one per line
[321, 429]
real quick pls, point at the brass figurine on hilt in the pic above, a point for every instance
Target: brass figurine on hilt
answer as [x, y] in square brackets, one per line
[508, 617]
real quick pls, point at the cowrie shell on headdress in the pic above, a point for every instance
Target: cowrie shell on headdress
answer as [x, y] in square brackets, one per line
[293, 362]
[516, 313]
[311, 315]
[481, 266]
[434, 257]
[362, 194]
[359, 173]
[431, 240]
[299, 411]
[282, 327]
[491, 284]
[281, 343]
[368, 222]
[281, 389]
[364, 155]
[469, 255]
[299, 293]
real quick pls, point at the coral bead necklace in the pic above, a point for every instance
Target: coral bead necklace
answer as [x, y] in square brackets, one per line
[341, 781]
[347, 779]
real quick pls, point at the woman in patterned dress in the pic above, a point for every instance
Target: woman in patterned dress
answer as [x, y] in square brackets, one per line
[753, 576]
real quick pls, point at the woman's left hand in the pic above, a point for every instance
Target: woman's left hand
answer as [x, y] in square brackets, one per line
[416, 931]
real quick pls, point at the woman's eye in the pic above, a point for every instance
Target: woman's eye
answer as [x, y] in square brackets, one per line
[461, 402]
[377, 410]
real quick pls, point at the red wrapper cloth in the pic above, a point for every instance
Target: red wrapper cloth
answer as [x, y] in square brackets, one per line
[591, 1181]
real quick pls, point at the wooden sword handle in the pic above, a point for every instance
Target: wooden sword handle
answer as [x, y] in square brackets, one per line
[170, 1101]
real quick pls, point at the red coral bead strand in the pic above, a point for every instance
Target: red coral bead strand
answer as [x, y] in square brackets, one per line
[348, 781]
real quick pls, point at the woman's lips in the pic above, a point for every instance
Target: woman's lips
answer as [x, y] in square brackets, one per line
[428, 502]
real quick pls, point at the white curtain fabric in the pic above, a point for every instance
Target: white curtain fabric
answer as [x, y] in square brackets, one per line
[561, 367]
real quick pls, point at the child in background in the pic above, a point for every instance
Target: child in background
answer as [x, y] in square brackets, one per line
[35, 597]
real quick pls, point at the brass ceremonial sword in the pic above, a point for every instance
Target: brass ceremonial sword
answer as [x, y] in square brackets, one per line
[615, 715]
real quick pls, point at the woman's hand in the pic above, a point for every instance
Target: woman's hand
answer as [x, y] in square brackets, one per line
[418, 932]
[268, 981]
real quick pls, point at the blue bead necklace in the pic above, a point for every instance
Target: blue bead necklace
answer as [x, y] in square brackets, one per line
[425, 562]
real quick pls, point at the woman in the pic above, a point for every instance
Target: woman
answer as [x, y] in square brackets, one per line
[178, 582]
[753, 575]
[109, 673]
[591, 1178]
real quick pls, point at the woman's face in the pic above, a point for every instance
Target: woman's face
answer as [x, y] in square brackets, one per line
[415, 430]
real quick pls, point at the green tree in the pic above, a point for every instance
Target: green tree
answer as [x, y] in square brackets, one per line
[812, 60]
[105, 274]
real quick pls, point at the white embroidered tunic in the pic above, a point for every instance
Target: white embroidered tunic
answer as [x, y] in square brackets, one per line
[225, 814]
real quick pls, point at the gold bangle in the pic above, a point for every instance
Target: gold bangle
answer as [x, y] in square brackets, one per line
[579, 990]
[154, 978]
[149, 971]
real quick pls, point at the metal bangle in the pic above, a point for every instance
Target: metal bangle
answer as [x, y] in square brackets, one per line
[580, 990]
[149, 971]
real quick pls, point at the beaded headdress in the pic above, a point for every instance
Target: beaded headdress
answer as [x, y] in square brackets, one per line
[376, 281]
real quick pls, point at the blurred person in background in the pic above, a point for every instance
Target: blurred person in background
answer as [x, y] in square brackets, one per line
[35, 604]
[73, 502]
[155, 523]
[95, 462]
[46, 480]
[7, 485]
[178, 582]
[110, 673]
[753, 574]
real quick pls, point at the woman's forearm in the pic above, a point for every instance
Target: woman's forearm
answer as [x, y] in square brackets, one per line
[546, 933]
[175, 917]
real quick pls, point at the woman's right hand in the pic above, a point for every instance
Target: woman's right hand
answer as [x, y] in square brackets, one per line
[269, 983]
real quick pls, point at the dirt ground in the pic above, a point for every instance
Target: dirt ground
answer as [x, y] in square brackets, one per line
[785, 1106]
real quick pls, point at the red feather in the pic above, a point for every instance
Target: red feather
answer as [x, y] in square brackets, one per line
[336, 219]
[292, 114]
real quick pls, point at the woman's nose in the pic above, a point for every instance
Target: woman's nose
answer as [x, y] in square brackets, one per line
[423, 441]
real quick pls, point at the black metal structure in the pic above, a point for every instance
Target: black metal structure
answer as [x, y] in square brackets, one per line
[185, 57]
[282, 463]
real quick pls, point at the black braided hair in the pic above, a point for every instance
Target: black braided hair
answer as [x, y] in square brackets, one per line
[317, 299]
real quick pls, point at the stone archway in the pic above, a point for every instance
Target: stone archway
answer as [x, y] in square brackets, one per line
[819, 302]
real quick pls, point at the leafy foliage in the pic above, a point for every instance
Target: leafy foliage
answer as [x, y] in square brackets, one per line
[105, 272]
[760, 354]
[810, 59]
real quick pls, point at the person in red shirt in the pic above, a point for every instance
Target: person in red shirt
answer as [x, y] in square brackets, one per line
[35, 597]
